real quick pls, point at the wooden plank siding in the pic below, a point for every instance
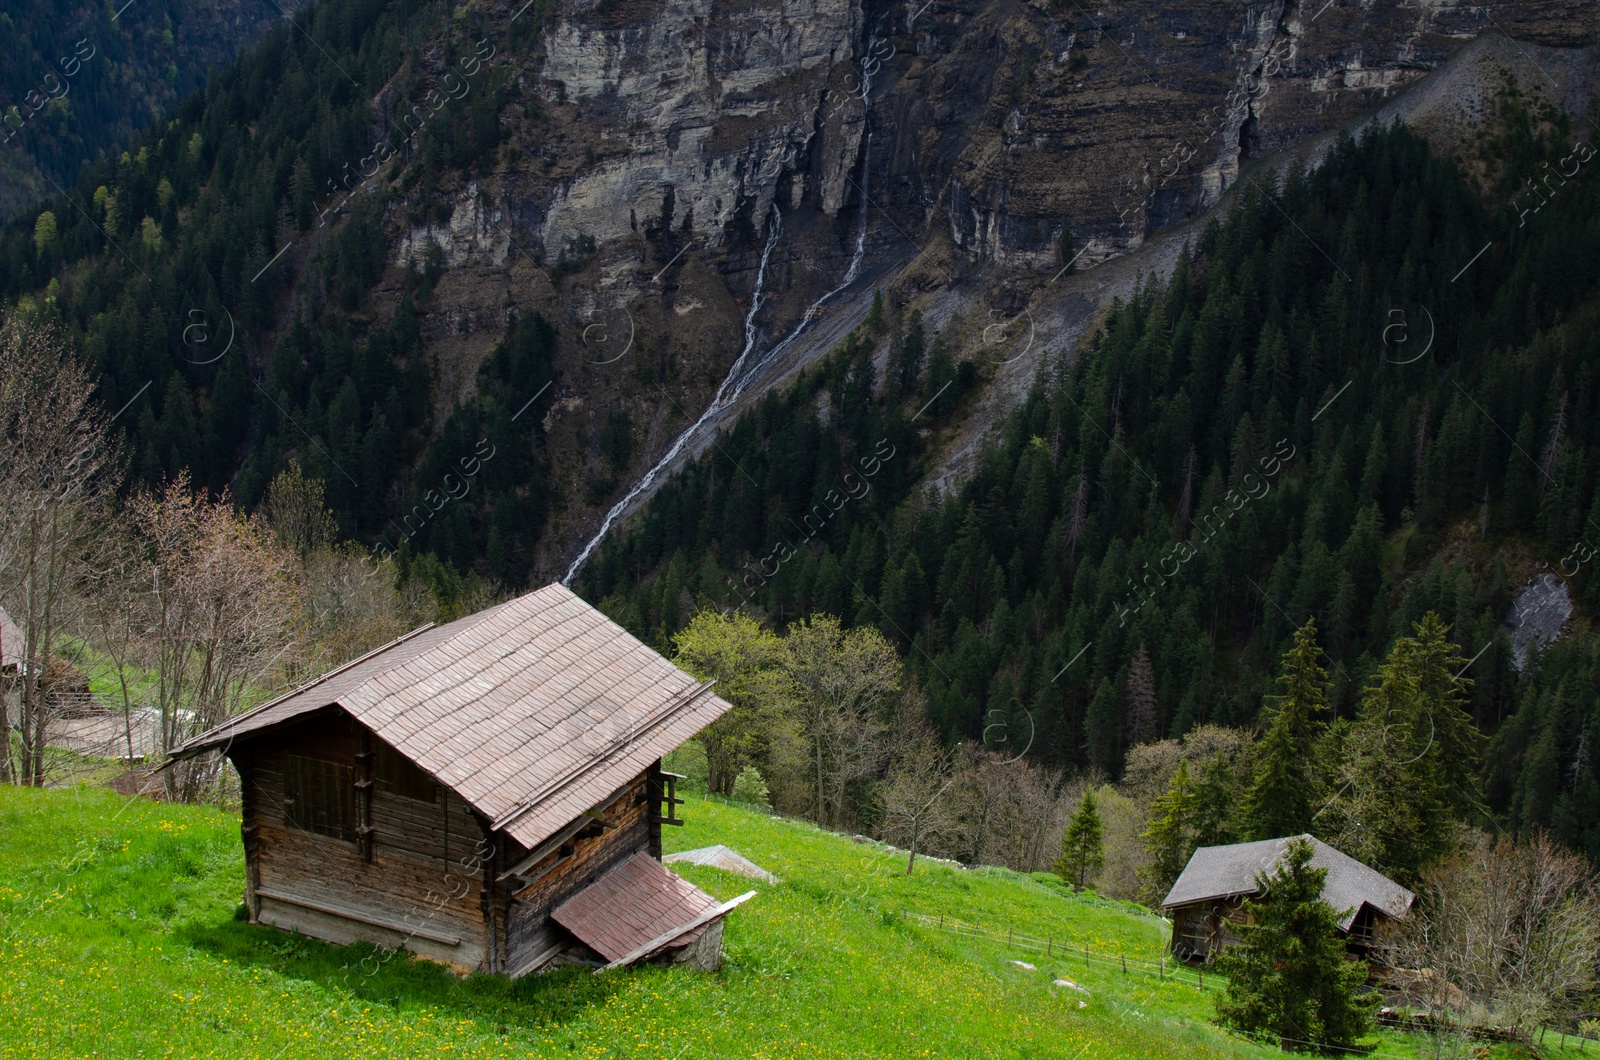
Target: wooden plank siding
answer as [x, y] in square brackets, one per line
[429, 860]
[531, 937]
[1200, 930]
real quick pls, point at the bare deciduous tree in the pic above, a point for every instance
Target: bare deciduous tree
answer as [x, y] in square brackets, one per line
[1011, 811]
[916, 812]
[1503, 934]
[220, 610]
[57, 470]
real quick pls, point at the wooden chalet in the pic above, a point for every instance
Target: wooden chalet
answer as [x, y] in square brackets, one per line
[10, 645]
[1206, 903]
[486, 793]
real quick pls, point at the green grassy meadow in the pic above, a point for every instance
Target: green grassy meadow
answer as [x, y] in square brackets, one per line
[119, 937]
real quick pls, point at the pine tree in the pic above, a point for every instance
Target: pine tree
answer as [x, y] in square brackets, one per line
[1283, 793]
[1066, 256]
[1082, 844]
[1289, 978]
[1169, 837]
[1409, 765]
[1141, 699]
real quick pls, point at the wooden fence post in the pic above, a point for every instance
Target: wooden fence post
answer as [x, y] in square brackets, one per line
[1161, 970]
[1049, 944]
[1124, 964]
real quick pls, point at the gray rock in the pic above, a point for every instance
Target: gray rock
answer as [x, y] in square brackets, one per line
[1538, 615]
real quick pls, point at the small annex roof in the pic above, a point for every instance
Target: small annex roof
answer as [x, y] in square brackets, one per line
[533, 710]
[632, 904]
[1230, 871]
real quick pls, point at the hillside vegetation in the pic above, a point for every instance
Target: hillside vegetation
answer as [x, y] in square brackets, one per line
[119, 937]
[80, 78]
[1239, 450]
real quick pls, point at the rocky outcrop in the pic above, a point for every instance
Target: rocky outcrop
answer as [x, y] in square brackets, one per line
[709, 112]
[670, 135]
[1537, 616]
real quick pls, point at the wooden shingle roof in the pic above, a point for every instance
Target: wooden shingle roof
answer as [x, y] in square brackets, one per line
[1230, 871]
[632, 903]
[533, 710]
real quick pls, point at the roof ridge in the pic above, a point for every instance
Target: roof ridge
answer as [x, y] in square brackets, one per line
[298, 689]
[555, 784]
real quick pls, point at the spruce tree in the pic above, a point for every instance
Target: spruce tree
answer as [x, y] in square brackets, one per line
[1169, 837]
[1082, 844]
[1065, 254]
[1289, 978]
[1141, 690]
[1283, 792]
[1409, 767]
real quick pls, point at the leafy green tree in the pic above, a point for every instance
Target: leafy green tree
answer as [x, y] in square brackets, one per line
[1282, 797]
[1082, 844]
[1409, 769]
[1169, 837]
[746, 662]
[1289, 979]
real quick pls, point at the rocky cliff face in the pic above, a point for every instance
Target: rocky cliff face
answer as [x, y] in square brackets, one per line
[668, 132]
[711, 112]
[1022, 119]
[1003, 123]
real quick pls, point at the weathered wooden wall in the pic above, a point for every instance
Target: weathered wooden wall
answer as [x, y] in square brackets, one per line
[423, 887]
[1205, 927]
[531, 937]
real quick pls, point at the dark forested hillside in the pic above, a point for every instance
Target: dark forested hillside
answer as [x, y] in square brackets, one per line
[1336, 408]
[80, 79]
[167, 264]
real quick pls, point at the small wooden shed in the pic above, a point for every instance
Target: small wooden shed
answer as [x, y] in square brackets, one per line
[486, 793]
[1206, 903]
[10, 645]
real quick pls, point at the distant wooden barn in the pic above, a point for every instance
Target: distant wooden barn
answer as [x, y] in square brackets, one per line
[10, 645]
[486, 793]
[1206, 903]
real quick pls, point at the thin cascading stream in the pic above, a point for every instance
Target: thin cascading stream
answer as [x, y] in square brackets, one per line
[739, 376]
[718, 402]
[854, 270]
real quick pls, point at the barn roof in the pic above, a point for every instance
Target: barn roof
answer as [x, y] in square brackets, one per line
[1230, 871]
[533, 710]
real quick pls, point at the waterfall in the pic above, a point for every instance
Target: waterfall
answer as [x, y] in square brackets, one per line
[738, 376]
[718, 402]
[861, 240]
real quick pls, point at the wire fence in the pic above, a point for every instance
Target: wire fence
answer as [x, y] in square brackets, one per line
[1173, 971]
[1165, 969]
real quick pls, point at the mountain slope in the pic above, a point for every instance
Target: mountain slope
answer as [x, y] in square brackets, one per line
[80, 79]
[1238, 449]
[362, 202]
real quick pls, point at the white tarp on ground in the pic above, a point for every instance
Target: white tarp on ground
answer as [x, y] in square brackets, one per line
[721, 857]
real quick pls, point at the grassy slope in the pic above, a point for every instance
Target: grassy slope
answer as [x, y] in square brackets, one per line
[118, 938]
